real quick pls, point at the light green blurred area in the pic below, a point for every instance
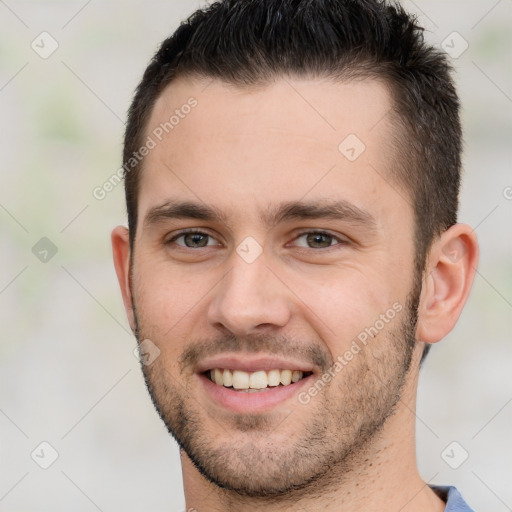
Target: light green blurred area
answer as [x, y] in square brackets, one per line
[66, 358]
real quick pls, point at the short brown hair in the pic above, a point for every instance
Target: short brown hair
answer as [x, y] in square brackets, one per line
[250, 42]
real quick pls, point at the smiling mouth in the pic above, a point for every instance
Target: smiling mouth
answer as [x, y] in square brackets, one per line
[251, 382]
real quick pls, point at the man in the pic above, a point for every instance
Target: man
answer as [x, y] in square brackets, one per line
[292, 174]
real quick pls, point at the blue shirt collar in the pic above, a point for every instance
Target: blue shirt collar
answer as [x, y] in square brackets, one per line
[454, 501]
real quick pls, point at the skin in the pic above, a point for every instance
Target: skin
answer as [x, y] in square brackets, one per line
[243, 151]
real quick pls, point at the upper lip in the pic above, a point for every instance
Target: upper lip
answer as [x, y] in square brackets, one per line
[253, 364]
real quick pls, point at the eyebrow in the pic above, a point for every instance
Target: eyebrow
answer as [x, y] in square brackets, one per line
[291, 210]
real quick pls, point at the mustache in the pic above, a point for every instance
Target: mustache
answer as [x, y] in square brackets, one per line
[277, 345]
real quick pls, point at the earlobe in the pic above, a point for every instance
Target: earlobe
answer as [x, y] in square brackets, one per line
[451, 268]
[121, 253]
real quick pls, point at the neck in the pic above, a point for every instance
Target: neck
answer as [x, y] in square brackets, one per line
[385, 478]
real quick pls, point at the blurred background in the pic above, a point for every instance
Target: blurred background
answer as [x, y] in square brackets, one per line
[77, 428]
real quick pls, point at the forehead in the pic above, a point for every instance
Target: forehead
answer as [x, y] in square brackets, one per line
[257, 146]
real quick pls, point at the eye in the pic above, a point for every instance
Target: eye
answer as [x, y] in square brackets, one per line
[317, 240]
[193, 239]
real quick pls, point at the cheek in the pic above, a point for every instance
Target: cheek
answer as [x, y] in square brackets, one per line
[166, 298]
[342, 307]
[171, 301]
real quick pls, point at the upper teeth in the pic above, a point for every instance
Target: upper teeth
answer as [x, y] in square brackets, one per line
[254, 380]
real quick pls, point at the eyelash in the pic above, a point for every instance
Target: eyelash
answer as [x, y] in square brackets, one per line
[320, 232]
[299, 235]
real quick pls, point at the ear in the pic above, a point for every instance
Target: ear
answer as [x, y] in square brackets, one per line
[450, 270]
[121, 253]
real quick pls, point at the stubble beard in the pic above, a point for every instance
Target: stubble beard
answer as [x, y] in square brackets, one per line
[328, 438]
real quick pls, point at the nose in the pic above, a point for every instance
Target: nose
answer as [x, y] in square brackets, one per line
[249, 299]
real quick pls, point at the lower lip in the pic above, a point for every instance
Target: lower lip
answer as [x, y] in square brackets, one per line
[243, 402]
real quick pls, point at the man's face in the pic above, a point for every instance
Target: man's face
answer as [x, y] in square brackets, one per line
[302, 255]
